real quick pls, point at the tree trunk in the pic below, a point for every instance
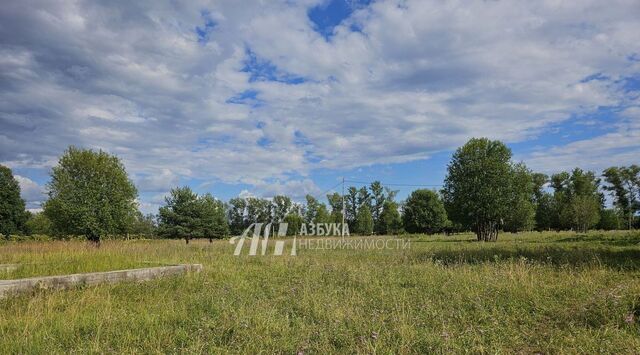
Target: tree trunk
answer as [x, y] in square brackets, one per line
[186, 240]
[487, 231]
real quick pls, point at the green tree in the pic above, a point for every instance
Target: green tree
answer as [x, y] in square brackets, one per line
[143, 225]
[212, 222]
[585, 212]
[378, 198]
[424, 212]
[477, 190]
[39, 224]
[577, 198]
[311, 209]
[390, 222]
[624, 185]
[364, 221]
[335, 202]
[12, 212]
[522, 213]
[294, 222]
[281, 207]
[546, 212]
[258, 210]
[351, 206]
[90, 194]
[236, 214]
[179, 218]
[609, 219]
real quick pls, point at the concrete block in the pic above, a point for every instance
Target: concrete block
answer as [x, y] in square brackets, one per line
[8, 287]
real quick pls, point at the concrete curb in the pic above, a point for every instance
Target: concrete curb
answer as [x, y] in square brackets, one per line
[8, 287]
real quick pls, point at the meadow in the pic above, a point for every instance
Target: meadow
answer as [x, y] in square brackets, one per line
[526, 293]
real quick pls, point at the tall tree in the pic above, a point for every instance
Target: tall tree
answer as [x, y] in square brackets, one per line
[281, 207]
[179, 217]
[477, 189]
[351, 202]
[12, 213]
[377, 202]
[90, 194]
[236, 210]
[624, 186]
[390, 222]
[522, 211]
[364, 221]
[335, 202]
[258, 210]
[311, 209]
[212, 222]
[424, 212]
[577, 198]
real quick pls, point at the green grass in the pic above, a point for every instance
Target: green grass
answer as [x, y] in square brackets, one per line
[528, 293]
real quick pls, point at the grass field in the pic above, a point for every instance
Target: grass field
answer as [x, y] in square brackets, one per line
[527, 293]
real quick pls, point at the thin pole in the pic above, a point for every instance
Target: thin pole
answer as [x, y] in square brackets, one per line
[343, 209]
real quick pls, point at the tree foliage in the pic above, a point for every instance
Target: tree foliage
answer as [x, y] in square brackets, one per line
[624, 185]
[478, 187]
[424, 212]
[12, 212]
[187, 215]
[90, 194]
[364, 221]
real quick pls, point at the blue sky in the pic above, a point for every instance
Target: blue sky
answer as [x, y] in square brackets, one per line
[287, 97]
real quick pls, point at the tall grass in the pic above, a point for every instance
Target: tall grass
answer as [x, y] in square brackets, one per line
[527, 293]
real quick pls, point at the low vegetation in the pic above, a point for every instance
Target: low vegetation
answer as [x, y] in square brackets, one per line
[526, 293]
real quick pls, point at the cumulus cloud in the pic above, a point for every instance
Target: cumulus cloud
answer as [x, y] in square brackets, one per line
[32, 193]
[255, 93]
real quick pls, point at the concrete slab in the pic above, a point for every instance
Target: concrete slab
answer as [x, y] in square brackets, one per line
[8, 287]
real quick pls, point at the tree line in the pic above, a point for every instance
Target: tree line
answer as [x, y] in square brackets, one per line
[485, 191]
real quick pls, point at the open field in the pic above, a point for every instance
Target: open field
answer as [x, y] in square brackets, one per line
[525, 293]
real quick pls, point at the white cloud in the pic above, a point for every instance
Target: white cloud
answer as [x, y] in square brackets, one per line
[420, 77]
[33, 194]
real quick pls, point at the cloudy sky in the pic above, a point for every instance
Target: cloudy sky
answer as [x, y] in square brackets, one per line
[267, 97]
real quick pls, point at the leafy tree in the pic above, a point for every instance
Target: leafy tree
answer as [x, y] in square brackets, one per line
[179, 217]
[187, 215]
[609, 219]
[323, 215]
[351, 206]
[377, 202]
[281, 207]
[212, 223]
[236, 215]
[364, 221]
[12, 212]
[585, 212]
[364, 198]
[424, 212]
[258, 210]
[624, 185]
[311, 210]
[143, 225]
[390, 222]
[90, 194]
[578, 199]
[521, 215]
[335, 202]
[546, 212]
[477, 190]
[294, 222]
[39, 224]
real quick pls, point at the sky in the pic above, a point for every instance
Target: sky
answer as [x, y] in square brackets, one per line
[258, 98]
